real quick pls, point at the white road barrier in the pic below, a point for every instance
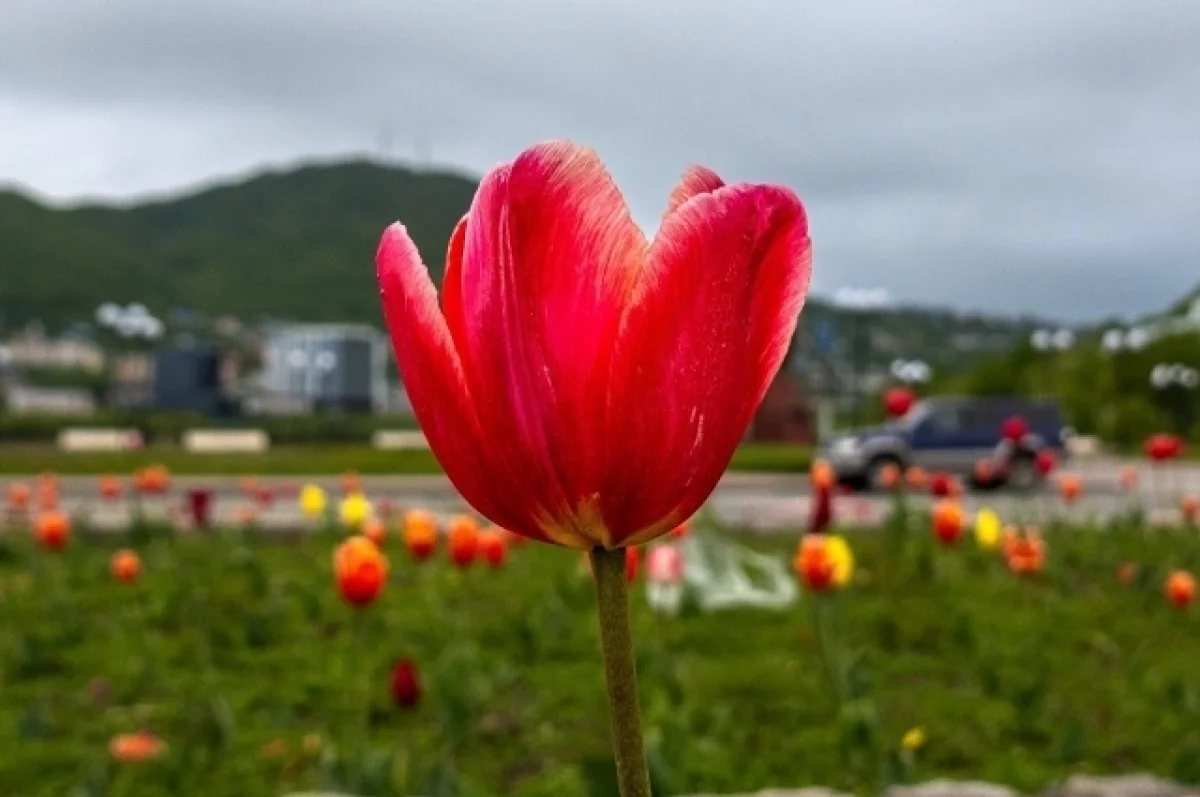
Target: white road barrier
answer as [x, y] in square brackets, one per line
[225, 441]
[96, 439]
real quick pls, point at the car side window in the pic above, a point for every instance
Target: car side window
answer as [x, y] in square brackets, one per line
[944, 420]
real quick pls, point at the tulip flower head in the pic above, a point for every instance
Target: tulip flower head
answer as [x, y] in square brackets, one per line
[18, 496]
[493, 547]
[313, 501]
[109, 488]
[375, 530]
[1025, 554]
[890, 476]
[129, 748]
[463, 536]
[1070, 487]
[125, 566]
[354, 510]
[579, 384]
[1126, 574]
[916, 478]
[664, 578]
[948, 521]
[152, 480]
[822, 475]
[814, 565]
[1164, 447]
[914, 740]
[633, 564]
[405, 684]
[839, 551]
[420, 534]
[941, 485]
[360, 570]
[987, 529]
[1014, 429]
[1128, 478]
[1045, 462]
[351, 483]
[52, 529]
[1189, 508]
[1181, 588]
[897, 401]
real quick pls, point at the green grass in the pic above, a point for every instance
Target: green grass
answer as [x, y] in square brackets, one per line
[231, 642]
[311, 459]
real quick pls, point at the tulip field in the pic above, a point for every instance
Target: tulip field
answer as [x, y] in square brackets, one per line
[443, 661]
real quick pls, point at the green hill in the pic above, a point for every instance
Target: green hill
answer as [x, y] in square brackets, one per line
[296, 244]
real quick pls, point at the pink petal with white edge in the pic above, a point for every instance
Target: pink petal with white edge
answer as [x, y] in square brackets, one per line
[430, 367]
[550, 262]
[695, 181]
[710, 325]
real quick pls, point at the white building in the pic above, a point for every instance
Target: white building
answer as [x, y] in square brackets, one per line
[324, 366]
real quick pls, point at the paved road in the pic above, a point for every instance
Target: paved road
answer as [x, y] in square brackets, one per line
[751, 500]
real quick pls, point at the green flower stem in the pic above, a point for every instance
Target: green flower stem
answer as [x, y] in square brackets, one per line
[612, 603]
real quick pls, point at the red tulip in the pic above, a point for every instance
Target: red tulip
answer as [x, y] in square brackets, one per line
[581, 385]
[941, 485]
[633, 563]
[897, 401]
[406, 684]
[1045, 462]
[1014, 429]
[493, 546]
[821, 515]
[360, 571]
[1162, 447]
[948, 521]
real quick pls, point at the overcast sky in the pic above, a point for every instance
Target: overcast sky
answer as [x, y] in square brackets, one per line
[1019, 156]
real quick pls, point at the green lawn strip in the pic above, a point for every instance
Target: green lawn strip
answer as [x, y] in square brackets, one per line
[283, 460]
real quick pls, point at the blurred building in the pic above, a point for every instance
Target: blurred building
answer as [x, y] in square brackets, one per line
[30, 399]
[132, 384]
[323, 367]
[193, 378]
[33, 349]
[784, 416]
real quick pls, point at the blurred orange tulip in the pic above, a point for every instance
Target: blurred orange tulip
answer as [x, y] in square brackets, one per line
[1070, 486]
[822, 475]
[375, 530]
[125, 566]
[813, 564]
[493, 546]
[889, 475]
[52, 529]
[152, 480]
[420, 534]
[1189, 508]
[1025, 554]
[136, 747]
[463, 534]
[18, 496]
[1181, 588]
[351, 483]
[948, 521]
[916, 478]
[360, 569]
[1129, 478]
[110, 488]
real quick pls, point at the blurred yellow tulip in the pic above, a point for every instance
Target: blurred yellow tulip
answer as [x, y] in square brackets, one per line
[355, 510]
[312, 500]
[838, 550]
[987, 529]
[914, 740]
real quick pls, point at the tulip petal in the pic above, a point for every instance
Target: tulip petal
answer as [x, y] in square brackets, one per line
[551, 259]
[696, 180]
[430, 365]
[709, 327]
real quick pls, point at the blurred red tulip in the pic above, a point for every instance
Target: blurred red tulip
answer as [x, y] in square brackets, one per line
[1162, 447]
[360, 570]
[1014, 429]
[406, 684]
[633, 561]
[493, 546]
[897, 401]
[948, 521]
[1045, 462]
[1181, 588]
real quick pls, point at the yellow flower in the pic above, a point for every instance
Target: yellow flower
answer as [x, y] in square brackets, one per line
[355, 510]
[914, 740]
[312, 500]
[839, 551]
[987, 529]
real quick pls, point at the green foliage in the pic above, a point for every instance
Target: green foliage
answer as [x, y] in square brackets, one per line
[238, 653]
[1104, 394]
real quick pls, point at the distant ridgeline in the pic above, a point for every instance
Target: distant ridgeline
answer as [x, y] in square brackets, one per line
[299, 244]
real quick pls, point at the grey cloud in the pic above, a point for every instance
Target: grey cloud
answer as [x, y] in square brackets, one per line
[1010, 157]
